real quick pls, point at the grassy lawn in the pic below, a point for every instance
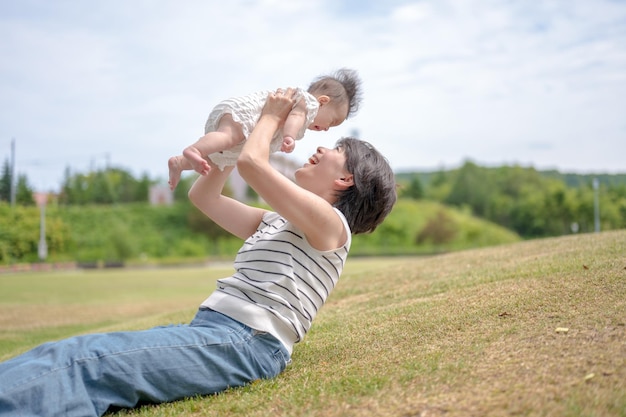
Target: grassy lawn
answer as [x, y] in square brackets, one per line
[536, 328]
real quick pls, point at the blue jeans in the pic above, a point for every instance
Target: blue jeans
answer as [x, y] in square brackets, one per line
[85, 375]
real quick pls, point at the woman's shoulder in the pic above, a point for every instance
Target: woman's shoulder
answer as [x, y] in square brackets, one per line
[273, 222]
[343, 220]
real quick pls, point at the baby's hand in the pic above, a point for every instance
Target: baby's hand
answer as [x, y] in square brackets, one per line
[288, 144]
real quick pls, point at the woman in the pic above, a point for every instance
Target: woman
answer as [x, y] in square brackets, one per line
[246, 329]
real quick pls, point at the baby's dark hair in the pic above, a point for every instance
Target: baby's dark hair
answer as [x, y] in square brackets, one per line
[366, 203]
[342, 86]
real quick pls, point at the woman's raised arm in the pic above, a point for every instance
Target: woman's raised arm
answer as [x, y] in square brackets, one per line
[233, 216]
[307, 210]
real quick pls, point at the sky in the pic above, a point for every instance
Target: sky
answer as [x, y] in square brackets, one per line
[86, 84]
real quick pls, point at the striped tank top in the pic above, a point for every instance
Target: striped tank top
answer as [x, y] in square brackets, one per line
[280, 281]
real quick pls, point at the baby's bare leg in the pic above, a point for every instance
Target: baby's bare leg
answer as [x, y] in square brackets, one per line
[227, 135]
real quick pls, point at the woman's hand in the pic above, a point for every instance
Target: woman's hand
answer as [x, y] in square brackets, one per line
[279, 104]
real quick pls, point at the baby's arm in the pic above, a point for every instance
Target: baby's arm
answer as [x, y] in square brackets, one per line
[293, 124]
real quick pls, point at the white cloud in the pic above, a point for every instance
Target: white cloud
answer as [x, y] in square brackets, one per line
[539, 83]
[411, 13]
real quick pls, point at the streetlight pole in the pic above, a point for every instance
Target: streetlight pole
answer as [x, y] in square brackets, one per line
[12, 177]
[42, 249]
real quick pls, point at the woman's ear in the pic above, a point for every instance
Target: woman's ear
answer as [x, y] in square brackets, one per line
[345, 182]
[324, 99]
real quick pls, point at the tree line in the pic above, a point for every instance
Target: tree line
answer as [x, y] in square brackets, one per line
[23, 190]
[102, 186]
[530, 202]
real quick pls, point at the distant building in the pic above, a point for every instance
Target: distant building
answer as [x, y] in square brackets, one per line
[160, 195]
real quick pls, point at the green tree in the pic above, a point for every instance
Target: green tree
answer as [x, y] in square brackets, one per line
[439, 186]
[181, 190]
[414, 190]
[472, 187]
[142, 188]
[5, 182]
[24, 192]
[101, 189]
[109, 186]
[75, 188]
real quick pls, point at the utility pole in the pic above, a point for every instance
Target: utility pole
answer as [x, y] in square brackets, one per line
[12, 178]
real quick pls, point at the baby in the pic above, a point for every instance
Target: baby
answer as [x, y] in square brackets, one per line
[328, 101]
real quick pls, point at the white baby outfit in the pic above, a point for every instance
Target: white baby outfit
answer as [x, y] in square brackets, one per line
[246, 111]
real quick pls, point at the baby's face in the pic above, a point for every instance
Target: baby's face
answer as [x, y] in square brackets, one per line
[329, 115]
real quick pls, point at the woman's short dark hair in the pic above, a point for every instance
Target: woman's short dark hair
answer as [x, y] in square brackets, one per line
[366, 203]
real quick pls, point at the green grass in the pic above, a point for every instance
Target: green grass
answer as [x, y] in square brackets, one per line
[471, 333]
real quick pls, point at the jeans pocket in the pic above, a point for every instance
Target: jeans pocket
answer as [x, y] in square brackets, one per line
[281, 360]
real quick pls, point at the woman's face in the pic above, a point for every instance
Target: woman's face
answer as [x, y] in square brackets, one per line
[321, 171]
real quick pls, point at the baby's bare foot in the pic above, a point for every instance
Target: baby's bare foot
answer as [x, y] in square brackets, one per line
[175, 167]
[198, 163]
